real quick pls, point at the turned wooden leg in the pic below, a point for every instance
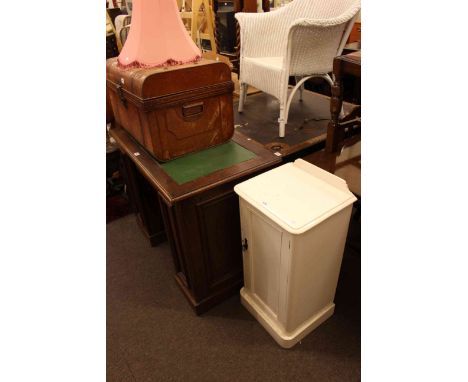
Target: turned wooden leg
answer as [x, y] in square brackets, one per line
[336, 103]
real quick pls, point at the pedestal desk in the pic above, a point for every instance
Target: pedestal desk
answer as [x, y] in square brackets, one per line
[194, 198]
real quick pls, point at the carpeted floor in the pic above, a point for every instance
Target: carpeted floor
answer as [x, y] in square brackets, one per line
[153, 334]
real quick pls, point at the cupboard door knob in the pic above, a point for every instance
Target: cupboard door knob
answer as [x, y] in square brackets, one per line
[245, 245]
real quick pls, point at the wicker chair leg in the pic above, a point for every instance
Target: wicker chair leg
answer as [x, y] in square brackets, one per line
[301, 89]
[283, 119]
[243, 92]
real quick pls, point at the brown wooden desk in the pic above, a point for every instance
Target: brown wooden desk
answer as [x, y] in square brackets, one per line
[201, 217]
[346, 130]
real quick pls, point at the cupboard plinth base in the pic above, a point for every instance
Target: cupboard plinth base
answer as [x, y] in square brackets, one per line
[276, 330]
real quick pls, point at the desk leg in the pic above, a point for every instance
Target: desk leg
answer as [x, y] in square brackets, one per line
[204, 235]
[144, 200]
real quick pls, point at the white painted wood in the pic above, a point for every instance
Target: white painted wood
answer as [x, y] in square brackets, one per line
[266, 262]
[295, 219]
[296, 196]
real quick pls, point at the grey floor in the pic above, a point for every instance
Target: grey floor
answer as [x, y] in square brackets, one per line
[153, 334]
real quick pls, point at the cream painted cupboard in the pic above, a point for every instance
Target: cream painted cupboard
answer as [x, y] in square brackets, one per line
[294, 223]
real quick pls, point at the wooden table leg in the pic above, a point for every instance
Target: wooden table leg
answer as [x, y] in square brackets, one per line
[144, 200]
[336, 103]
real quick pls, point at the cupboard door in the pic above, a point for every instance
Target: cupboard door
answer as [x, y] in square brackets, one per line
[264, 245]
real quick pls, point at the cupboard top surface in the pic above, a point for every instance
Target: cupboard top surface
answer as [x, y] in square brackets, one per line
[297, 196]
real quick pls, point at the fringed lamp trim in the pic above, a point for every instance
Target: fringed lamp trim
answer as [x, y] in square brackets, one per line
[169, 62]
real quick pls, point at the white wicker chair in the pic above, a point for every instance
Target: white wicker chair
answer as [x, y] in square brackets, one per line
[300, 39]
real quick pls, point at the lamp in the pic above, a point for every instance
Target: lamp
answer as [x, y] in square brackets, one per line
[157, 37]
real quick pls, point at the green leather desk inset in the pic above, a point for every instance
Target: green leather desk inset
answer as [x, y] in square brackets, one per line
[193, 166]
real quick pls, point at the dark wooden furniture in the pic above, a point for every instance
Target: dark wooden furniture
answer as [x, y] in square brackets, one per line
[112, 49]
[306, 131]
[144, 201]
[201, 218]
[343, 131]
[355, 35]
[225, 27]
[232, 28]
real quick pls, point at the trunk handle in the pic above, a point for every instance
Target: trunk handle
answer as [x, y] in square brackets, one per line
[193, 109]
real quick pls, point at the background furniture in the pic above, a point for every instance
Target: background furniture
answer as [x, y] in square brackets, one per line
[346, 130]
[201, 215]
[227, 29]
[124, 34]
[113, 45]
[122, 21]
[198, 19]
[355, 35]
[299, 39]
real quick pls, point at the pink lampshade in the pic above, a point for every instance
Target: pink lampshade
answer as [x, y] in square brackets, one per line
[157, 37]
